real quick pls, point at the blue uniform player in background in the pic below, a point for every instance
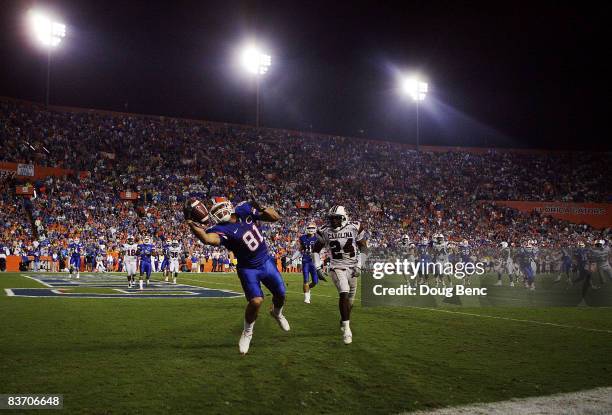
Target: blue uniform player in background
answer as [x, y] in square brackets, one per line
[236, 230]
[527, 261]
[310, 270]
[165, 265]
[75, 247]
[145, 252]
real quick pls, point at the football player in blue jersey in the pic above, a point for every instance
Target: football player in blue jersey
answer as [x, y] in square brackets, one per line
[165, 264]
[145, 252]
[236, 230]
[311, 271]
[75, 247]
[527, 260]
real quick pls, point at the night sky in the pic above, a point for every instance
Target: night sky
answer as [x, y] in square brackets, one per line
[510, 74]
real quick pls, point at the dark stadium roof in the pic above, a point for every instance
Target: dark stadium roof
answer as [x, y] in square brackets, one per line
[509, 74]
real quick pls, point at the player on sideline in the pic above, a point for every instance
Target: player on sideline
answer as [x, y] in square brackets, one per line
[599, 255]
[346, 242]
[310, 271]
[145, 251]
[236, 230]
[504, 265]
[75, 248]
[527, 260]
[165, 264]
[130, 259]
[175, 253]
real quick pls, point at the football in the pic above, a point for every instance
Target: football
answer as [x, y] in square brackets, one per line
[195, 210]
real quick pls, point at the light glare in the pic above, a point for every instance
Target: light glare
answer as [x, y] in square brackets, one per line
[416, 89]
[256, 62]
[47, 32]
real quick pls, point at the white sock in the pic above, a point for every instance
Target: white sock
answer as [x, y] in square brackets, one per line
[307, 295]
[141, 284]
[174, 280]
[248, 327]
[345, 324]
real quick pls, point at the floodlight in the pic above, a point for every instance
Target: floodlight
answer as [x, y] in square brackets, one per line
[49, 33]
[416, 89]
[255, 62]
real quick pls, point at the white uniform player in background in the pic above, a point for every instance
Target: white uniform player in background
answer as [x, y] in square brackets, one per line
[344, 241]
[100, 267]
[504, 264]
[440, 252]
[174, 252]
[130, 260]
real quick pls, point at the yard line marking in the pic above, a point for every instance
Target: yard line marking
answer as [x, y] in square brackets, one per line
[519, 320]
[516, 320]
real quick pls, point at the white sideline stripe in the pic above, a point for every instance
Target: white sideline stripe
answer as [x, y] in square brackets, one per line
[518, 320]
[590, 402]
[440, 310]
[38, 281]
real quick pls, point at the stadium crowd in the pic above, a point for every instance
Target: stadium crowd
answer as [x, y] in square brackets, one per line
[391, 188]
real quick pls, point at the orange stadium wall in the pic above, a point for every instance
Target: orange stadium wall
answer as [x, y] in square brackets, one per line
[598, 215]
[40, 172]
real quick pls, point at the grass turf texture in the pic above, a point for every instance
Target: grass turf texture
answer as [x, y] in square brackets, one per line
[181, 355]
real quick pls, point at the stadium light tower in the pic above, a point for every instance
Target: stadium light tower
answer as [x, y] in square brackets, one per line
[256, 63]
[49, 34]
[417, 90]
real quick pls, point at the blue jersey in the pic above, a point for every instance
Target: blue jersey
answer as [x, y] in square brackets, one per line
[527, 254]
[145, 250]
[243, 237]
[75, 249]
[307, 244]
[465, 253]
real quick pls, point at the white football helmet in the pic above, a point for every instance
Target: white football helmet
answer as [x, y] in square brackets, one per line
[221, 210]
[130, 239]
[405, 240]
[338, 217]
[311, 229]
[146, 240]
[465, 243]
[580, 244]
[600, 242]
[504, 245]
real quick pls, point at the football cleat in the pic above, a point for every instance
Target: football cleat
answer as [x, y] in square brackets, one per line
[281, 320]
[245, 342]
[347, 336]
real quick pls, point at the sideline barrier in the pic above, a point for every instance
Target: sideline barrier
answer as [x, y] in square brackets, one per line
[598, 215]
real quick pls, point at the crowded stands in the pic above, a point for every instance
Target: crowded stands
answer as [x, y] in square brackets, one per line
[391, 188]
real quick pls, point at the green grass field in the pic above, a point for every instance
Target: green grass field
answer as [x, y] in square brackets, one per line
[181, 355]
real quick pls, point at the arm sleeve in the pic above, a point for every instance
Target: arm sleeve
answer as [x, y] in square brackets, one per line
[245, 209]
